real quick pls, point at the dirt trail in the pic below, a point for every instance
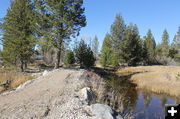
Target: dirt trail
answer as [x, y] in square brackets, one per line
[42, 98]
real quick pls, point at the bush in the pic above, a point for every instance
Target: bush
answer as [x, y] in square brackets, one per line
[69, 58]
[178, 77]
[84, 55]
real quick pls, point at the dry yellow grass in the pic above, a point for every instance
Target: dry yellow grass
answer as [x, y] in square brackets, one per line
[17, 78]
[159, 79]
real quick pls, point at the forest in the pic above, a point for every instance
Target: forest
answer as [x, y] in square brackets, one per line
[45, 29]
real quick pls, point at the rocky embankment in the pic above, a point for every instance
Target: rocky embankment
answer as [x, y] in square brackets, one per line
[58, 94]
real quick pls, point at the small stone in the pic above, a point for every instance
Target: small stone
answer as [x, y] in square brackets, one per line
[45, 72]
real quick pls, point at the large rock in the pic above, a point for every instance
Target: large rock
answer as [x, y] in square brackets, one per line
[101, 111]
[86, 94]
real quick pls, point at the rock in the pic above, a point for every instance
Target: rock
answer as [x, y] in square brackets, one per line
[24, 85]
[86, 94]
[45, 72]
[101, 111]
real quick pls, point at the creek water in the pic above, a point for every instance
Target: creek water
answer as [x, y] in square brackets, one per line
[124, 96]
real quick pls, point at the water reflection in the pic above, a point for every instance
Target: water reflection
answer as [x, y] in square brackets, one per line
[123, 96]
[147, 98]
[163, 101]
[120, 94]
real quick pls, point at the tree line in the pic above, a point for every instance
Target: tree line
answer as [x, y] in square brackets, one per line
[123, 45]
[47, 26]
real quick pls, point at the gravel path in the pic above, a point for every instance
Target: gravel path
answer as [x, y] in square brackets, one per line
[49, 97]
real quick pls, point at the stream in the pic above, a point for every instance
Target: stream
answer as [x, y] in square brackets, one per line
[124, 96]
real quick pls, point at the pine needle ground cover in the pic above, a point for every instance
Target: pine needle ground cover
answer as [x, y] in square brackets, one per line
[15, 77]
[158, 79]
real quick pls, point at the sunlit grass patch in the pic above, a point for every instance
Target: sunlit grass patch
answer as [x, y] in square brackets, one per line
[16, 79]
[132, 70]
[159, 79]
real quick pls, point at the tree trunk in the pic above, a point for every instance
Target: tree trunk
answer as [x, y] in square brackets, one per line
[21, 66]
[25, 65]
[57, 62]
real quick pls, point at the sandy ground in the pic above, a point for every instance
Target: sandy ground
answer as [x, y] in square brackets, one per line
[50, 97]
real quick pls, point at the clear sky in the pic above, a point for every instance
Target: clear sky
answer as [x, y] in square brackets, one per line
[154, 14]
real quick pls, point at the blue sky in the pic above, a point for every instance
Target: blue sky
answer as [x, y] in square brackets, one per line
[154, 14]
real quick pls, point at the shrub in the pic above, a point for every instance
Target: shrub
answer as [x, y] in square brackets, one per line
[178, 76]
[69, 58]
[84, 55]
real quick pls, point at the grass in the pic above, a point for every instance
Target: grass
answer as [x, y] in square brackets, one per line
[158, 79]
[16, 77]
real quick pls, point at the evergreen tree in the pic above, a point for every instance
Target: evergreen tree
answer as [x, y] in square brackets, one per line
[106, 51]
[84, 55]
[117, 32]
[150, 45]
[175, 47]
[159, 51]
[19, 27]
[176, 40]
[45, 42]
[173, 52]
[136, 46]
[144, 53]
[165, 43]
[69, 58]
[95, 46]
[66, 19]
[131, 48]
[1, 26]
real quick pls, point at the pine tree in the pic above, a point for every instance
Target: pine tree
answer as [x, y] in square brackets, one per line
[117, 33]
[144, 53]
[136, 46]
[45, 42]
[69, 58]
[84, 55]
[131, 48]
[176, 46]
[150, 45]
[165, 43]
[106, 51]
[176, 40]
[19, 27]
[159, 51]
[1, 26]
[173, 53]
[67, 18]
[95, 46]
